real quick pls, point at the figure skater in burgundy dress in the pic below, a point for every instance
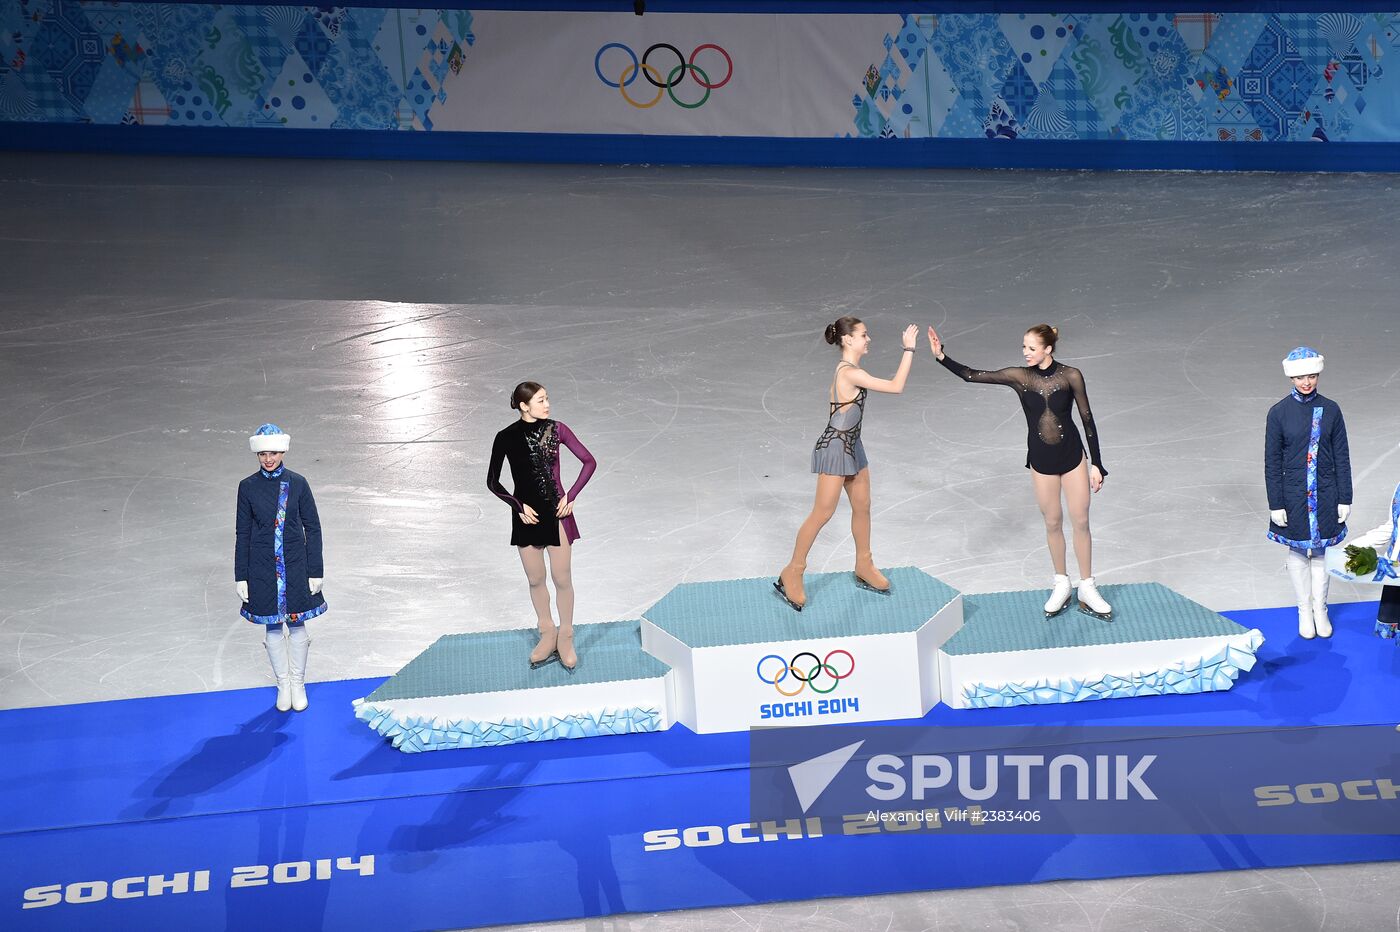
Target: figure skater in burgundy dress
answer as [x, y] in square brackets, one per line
[542, 513]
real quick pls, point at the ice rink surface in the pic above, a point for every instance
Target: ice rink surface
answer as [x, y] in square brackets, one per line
[154, 311]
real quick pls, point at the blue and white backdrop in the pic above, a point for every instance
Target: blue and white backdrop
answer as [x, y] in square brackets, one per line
[1102, 77]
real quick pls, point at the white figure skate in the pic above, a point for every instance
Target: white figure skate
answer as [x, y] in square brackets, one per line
[1059, 596]
[1091, 603]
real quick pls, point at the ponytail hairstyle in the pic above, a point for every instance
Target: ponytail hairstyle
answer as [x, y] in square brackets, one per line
[1047, 335]
[523, 393]
[843, 326]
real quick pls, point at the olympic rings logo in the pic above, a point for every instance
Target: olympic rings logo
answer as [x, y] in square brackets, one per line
[805, 674]
[667, 86]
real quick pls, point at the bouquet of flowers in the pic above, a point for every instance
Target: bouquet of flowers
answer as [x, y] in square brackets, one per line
[1361, 561]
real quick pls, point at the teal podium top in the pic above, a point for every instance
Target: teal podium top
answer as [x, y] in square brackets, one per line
[498, 661]
[998, 622]
[730, 612]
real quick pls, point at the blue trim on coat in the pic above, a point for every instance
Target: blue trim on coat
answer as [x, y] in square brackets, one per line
[1308, 544]
[279, 555]
[291, 618]
[1394, 522]
[1314, 441]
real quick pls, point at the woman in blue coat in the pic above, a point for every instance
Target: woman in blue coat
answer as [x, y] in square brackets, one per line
[277, 561]
[1385, 540]
[1307, 471]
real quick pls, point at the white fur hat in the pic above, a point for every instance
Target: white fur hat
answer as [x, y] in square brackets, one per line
[269, 438]
[1302, 361]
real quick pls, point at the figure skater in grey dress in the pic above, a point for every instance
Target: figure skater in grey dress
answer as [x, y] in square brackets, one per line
[839, 458]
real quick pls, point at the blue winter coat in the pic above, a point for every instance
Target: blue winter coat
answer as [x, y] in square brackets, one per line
[278, 547]
[1307, 470]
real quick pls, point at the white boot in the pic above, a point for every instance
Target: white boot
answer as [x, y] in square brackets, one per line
[1091, 602]
[1059, 596]
[1318, 565]
[276, 646]
[297, 649]
[1300, 572]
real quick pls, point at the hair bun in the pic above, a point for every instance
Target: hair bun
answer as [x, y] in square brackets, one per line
[1055, 331]
[839, 328]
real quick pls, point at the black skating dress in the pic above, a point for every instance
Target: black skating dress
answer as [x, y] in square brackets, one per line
[1053, 447]
[532, 448]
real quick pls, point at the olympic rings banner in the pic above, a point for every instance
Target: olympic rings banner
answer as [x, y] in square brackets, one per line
[661, 74]
[1101, 77]
[675, 76]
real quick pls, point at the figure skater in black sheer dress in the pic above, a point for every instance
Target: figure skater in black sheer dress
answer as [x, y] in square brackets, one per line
[539, 508]
[1054, 455]
[839, 458]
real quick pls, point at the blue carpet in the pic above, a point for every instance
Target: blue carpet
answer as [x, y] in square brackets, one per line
[219, 781]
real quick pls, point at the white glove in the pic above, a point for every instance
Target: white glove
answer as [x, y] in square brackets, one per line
[242, 587]
[1342, 512]
[315, 583]
[1376, 538]
[1279, 517]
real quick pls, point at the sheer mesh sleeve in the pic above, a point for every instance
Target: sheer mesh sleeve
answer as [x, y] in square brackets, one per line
[567, 438]
[493, 475]
[1091, 433]
[1015, 377]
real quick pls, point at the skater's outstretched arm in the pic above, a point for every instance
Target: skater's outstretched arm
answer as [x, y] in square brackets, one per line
[1013, 377]
[892, 386]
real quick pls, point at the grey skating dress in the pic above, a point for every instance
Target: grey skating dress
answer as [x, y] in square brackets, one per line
[839, 451]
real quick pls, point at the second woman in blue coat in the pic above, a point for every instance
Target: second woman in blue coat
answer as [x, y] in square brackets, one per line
[1307, 472]
[277, 564]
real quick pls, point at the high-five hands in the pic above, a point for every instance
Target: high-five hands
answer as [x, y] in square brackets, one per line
[935, 345]
[911, 336]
